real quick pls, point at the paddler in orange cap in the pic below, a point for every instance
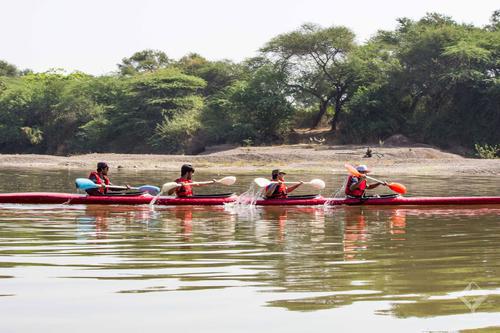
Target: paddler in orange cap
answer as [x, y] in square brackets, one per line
[356, 186]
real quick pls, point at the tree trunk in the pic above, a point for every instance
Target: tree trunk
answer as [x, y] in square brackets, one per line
[323, 105]
[335, 119]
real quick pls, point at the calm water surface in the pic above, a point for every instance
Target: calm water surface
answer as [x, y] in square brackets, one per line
[275, 269]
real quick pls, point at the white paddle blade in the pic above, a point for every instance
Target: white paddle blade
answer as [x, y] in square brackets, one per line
[230, 180]
[318, 184]
[168, 186]
[262, 182]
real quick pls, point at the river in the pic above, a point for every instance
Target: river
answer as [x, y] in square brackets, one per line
[275, 269]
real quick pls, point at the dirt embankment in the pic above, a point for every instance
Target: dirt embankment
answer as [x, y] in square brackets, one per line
[312, 157]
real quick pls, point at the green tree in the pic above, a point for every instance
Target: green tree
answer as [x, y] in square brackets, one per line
[315, 61]
[151, 102]
[442, 89]
[7, 69]
[43, 112]
[144, 61]
[217, 74]
[254, 110]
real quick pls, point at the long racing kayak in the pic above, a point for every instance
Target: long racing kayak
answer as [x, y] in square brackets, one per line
[203, 200]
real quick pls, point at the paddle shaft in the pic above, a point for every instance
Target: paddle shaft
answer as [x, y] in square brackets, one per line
[376, 180]
[197, 183]
[289, 183]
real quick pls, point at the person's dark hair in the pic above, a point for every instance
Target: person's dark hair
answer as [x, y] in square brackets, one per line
[186, 168]
[101, 166]
[275, 173]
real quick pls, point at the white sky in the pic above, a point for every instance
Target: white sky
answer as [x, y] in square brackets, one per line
[94, 35]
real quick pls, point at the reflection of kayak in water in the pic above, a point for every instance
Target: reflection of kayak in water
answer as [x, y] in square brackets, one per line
[220, 199]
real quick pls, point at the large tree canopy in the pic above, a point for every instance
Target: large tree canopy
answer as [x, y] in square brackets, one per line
[144, 61]
[7, 69]
[434, 80]
[316, 62]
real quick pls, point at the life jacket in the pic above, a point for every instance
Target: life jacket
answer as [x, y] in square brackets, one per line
[280, 191]
[359, 192]
[184, 191]
[94, 176]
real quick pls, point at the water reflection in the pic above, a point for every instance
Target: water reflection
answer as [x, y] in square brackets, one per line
[406, 262]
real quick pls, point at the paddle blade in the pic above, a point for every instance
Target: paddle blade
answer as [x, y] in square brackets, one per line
[397, 187]
[230, 180]
[168, 186]
[262, 182]
[318, 184]
[153, 190]
[85, 184]
[352, 170]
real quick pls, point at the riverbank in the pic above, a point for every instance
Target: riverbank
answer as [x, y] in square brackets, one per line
[420, 160]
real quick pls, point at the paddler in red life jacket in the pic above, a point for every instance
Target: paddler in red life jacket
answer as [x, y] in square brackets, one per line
[100, 177]
[356, 186]
[277, 189]
[187, 172]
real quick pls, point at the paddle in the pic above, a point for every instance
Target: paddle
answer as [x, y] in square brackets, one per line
[396, 187]
[230, 180]
[87, 184]
[316, 183]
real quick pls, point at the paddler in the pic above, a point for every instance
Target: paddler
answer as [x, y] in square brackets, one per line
[100, 177]
[187, 171]
[356, 186]
[277, 189]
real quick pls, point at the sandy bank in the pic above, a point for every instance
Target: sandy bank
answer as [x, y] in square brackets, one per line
[394, 160]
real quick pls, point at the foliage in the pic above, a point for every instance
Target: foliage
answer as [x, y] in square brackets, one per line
[150, 102]
[443, 87]
[250, 111]
[433, 80]
[316, 64]
[7, 69]
[487, 151]
[144, 61]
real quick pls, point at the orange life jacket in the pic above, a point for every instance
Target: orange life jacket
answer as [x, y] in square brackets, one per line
[94, 176]
[359, 192]
[184, 191]
[280, 191]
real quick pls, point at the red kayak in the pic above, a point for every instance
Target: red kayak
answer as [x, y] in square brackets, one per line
[220, 199]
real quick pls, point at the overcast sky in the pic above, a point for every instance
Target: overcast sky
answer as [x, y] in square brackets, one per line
[94, 35]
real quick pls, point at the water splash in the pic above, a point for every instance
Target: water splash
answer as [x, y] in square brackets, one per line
[244, 206]
[338, 194]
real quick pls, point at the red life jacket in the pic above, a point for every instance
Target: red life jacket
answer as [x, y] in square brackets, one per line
[357, 192]
[280, 191]
[94, 176]
[184, 191]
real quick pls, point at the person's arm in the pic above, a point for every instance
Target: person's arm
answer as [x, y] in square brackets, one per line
[355, 183]
[94, 179]
[294, 187]
[270, 189]
[372, 186]
[173, 190]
